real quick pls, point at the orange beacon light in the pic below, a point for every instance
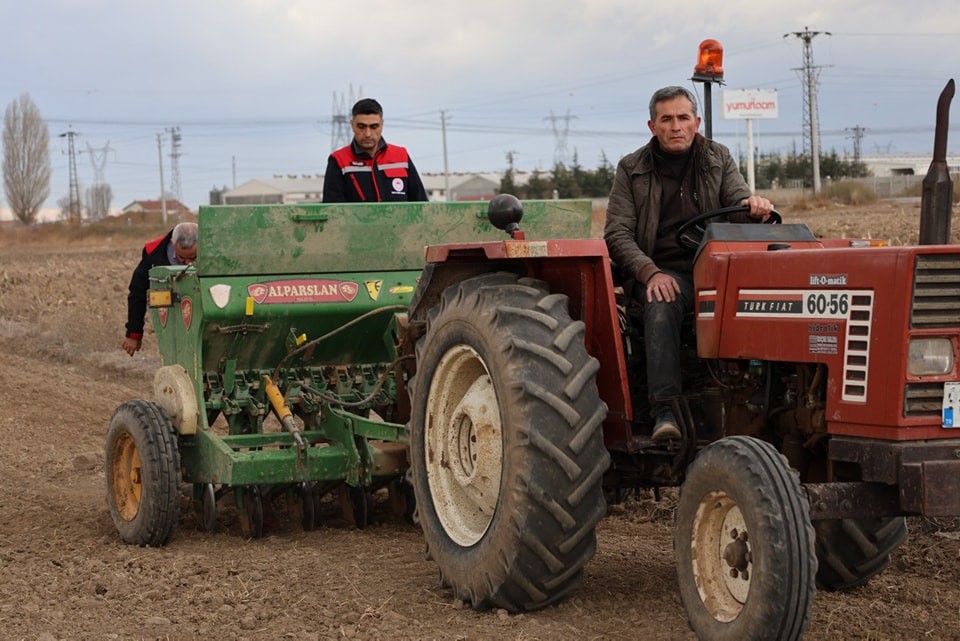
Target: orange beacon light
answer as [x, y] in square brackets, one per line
[709, 61]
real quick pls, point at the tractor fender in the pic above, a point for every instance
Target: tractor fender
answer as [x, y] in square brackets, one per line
[174, 393]
[436, 277]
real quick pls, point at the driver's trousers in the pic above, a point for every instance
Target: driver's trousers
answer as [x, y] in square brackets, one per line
[661, 331]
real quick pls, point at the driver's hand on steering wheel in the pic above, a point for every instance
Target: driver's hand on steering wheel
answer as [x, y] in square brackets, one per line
[759, 206]
[662, 287]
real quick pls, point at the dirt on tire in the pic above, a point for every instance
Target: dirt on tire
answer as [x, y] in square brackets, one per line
[66, 574]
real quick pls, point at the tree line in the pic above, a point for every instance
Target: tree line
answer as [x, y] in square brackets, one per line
[775, 170]
[562, 181]
[772, 171]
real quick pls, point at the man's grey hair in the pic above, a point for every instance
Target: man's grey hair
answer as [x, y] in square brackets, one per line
[184, 235]
[669, 93]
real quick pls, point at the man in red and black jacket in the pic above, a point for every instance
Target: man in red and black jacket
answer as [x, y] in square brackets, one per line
[368, 169]
[178, 247]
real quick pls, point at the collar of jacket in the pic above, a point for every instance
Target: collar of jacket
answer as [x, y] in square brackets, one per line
[360, 153]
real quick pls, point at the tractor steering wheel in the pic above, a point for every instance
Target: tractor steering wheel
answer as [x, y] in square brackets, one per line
[691, 232]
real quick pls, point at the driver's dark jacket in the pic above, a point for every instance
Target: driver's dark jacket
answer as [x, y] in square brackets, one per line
[633, 213]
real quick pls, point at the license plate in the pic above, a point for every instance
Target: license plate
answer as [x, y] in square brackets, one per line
[951, 405]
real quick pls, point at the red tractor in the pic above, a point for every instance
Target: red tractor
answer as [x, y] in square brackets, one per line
[822, 391]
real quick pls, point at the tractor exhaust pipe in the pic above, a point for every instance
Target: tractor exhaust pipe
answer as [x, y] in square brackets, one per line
[936, 200]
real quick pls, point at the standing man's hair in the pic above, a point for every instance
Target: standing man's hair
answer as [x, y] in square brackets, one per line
[366, 107]
[669, 93]
[184, 235]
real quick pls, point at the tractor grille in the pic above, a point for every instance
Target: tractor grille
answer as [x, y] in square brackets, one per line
[936, 291]
[922, 400]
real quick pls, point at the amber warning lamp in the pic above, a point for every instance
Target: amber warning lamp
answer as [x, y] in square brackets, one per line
[709, 62]
[709, 70]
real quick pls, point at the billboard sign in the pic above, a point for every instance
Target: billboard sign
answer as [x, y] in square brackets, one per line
[749, 103]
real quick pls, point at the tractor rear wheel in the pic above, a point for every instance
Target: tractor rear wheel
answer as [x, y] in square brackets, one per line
[744, 543]
[506, 447]
[852, 551]
[143, 473]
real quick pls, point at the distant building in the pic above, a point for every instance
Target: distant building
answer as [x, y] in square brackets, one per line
[292, 189]
[279, 190]
[150, 207]
[881, 166]
[463, 186]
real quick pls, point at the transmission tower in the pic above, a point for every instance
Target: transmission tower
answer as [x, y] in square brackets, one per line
[560, 155]
[858, 133]
[73, 207]
[340, 134]
[811, 122]
[884, 149]
[175, 140]
[98, 201]
[98, 160]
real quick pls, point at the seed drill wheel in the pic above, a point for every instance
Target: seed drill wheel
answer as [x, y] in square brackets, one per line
[143, 473]
[506, 449]
[745, 545]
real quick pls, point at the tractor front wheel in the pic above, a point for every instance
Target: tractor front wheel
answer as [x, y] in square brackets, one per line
[143, 473]
[506, 448]
[745, 545]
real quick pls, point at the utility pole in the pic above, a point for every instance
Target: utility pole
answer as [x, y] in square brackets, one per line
[446, 168]
[163, 192]
[857, 136]
[811, 123]
[74, 197]
[175, 139]
[511, 158]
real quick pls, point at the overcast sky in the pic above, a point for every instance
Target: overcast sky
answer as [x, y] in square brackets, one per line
[252, 83]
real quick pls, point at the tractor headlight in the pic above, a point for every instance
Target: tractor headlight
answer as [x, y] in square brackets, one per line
[930, 357]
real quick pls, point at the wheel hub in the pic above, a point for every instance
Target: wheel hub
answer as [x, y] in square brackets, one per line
[722, 556]
[127, 482]
[464, 442]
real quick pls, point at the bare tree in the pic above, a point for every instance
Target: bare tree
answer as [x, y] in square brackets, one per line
[98, 201]
[66, 206]
[26, 158]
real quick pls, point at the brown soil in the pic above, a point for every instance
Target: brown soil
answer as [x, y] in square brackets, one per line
[65, 574]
